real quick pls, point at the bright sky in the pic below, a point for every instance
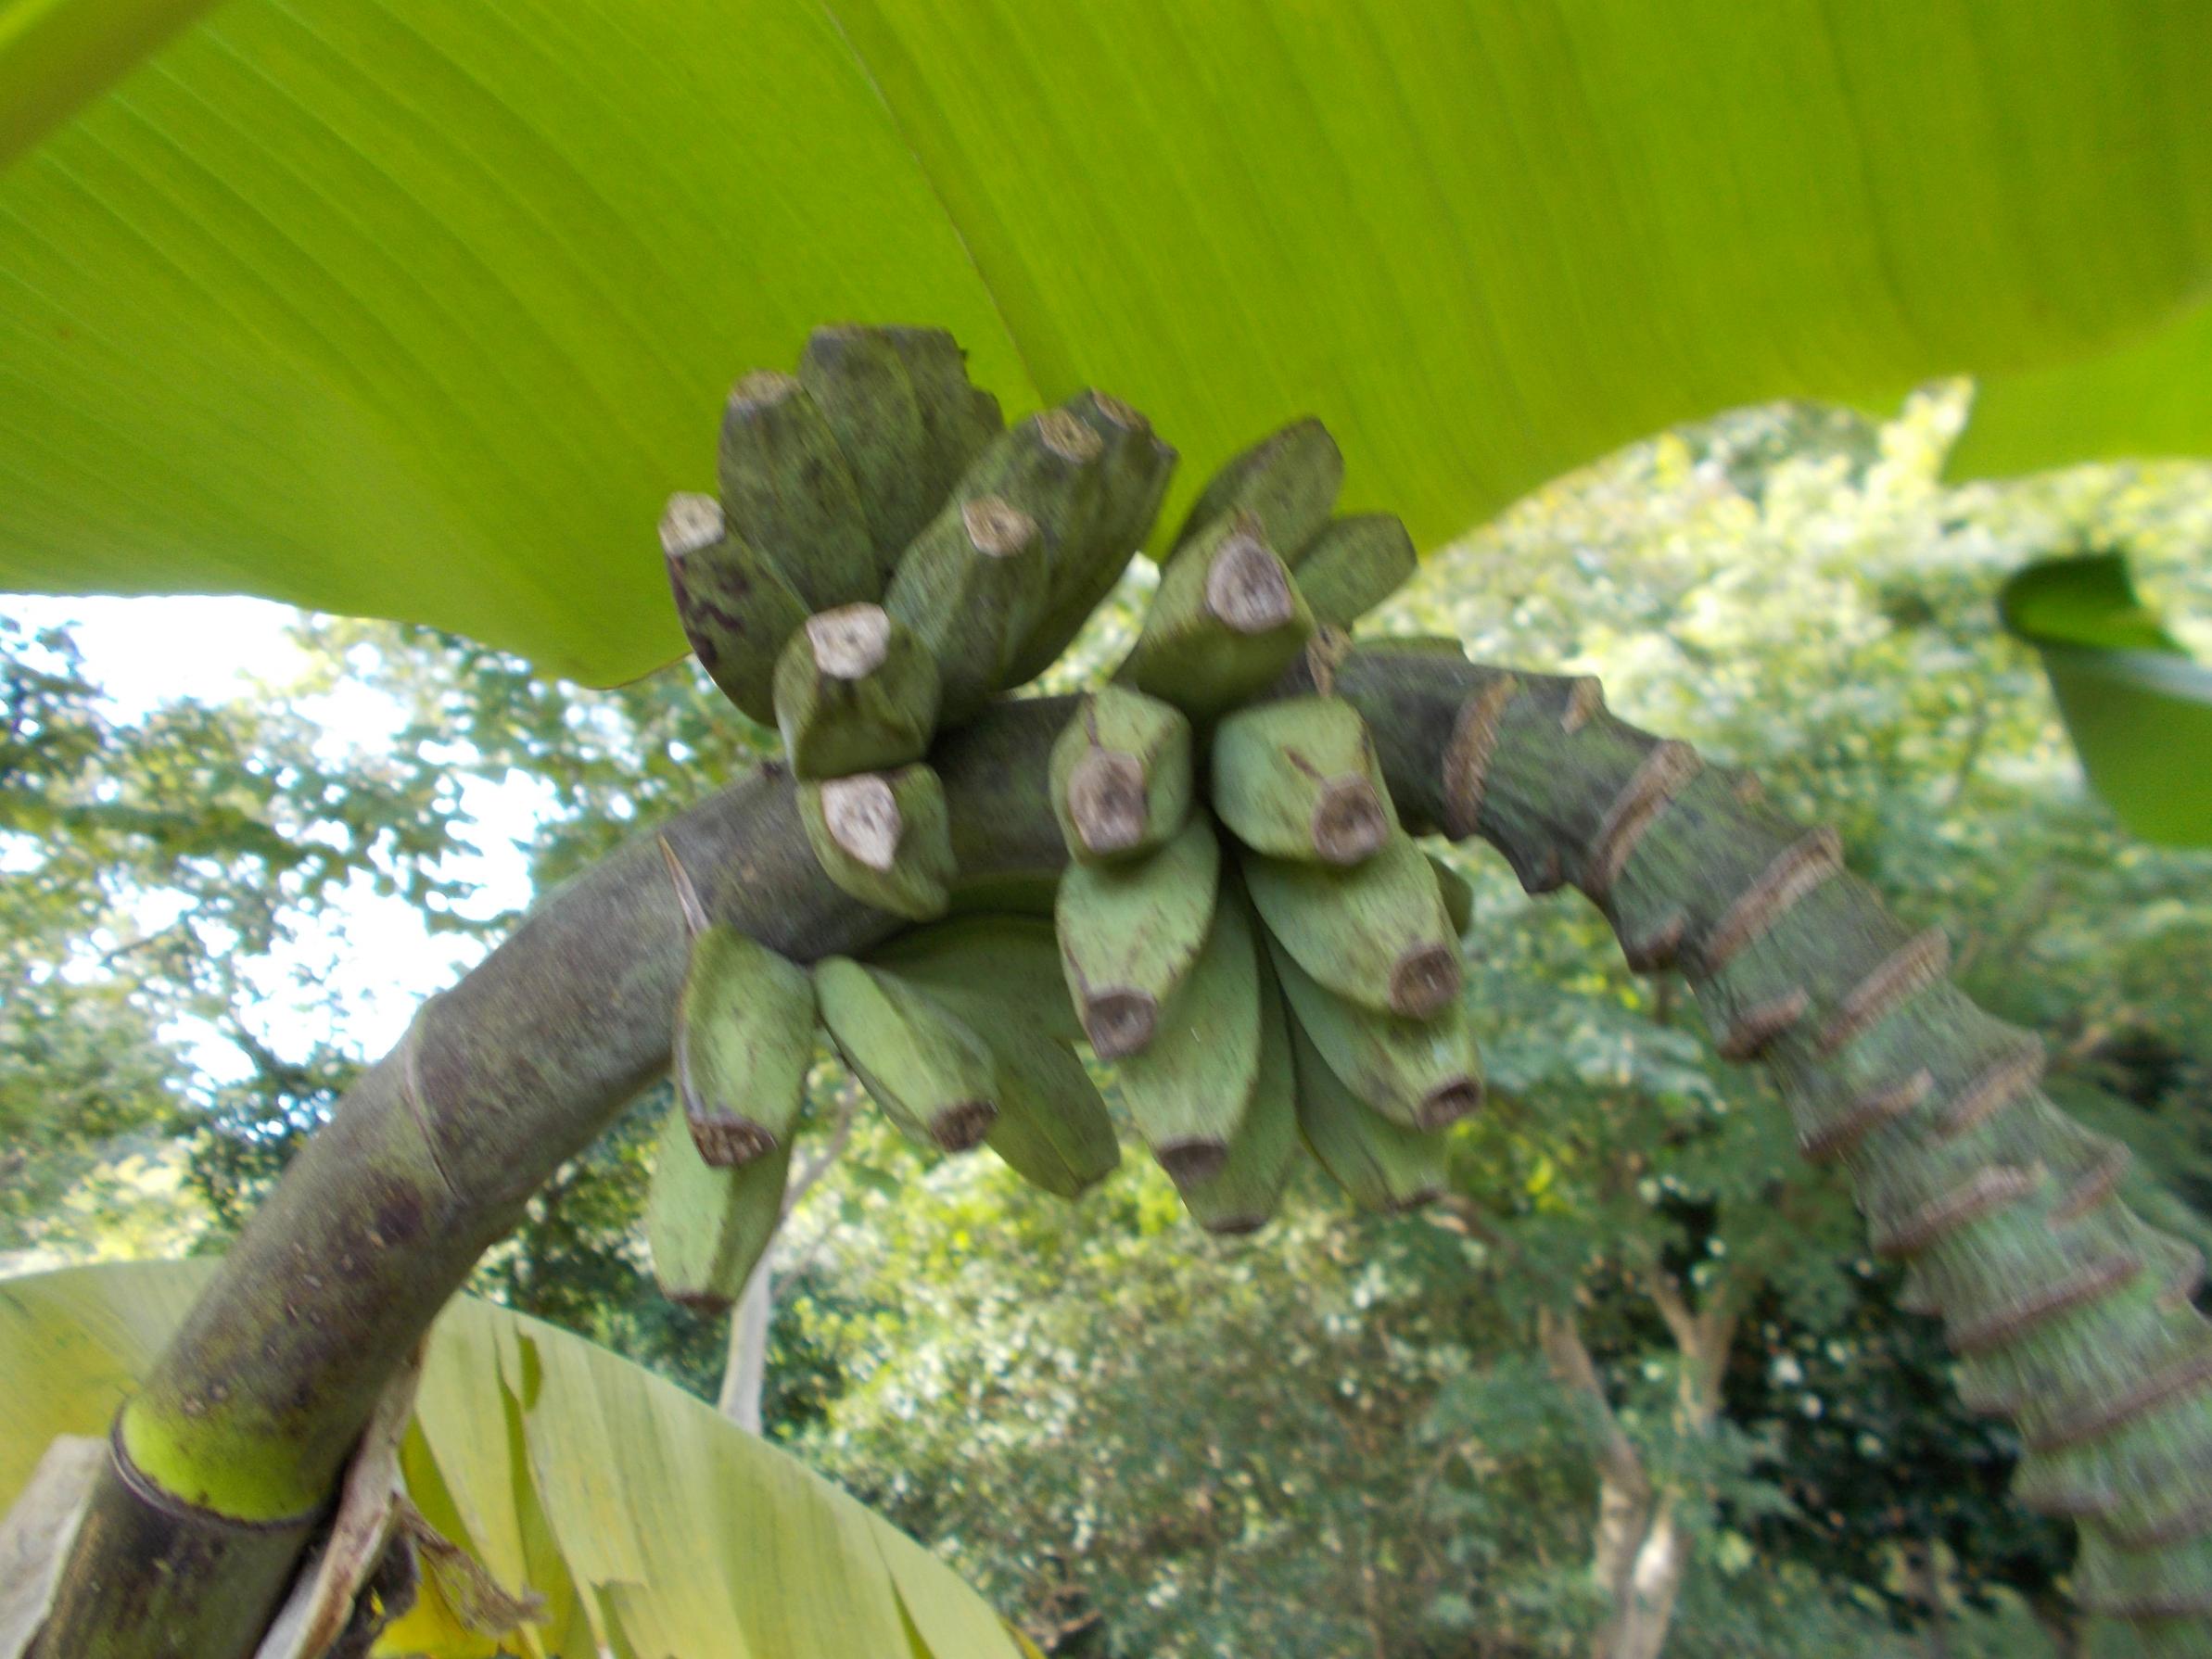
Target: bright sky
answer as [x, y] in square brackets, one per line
[375, 951]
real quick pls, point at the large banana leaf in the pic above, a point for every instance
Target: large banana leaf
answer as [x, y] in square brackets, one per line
[419, 307]
[649, 1525]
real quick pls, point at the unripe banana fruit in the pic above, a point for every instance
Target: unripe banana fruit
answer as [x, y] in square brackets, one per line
[931, 1075]
[959, 421]
[736, 606]
[1287, 481]
[1134, 470]
[970, 582]
[1224, 623]
[1242, 1194]
[883, 837]
[1422, 1073]
[706, 1228]
[1053, 1128]
[854, 692]
[745, 1038]
[788, 492]
[1188, 1088]
[1120, 775]
[859, 381]
[1130, 933]
[1014, 959]
[1299, 780]
[1376, 933]
[1382, 1165]
[1458, 897]
[1352, 566]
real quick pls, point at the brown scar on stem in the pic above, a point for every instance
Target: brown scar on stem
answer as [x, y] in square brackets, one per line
[1799, 868]
[1912, 968]
[1987, 1189]
[1864, 1115]
[2001, 1084]
[1653, 785]
[1467, 757]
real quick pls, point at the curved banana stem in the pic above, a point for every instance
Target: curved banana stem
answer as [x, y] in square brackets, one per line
[2070, 1314]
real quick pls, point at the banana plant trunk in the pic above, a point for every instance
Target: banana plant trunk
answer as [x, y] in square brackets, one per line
[2071, 1315]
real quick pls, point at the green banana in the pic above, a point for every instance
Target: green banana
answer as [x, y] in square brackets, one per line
[1382, 1165]
[1190, 1088]
[706, 1228]
[1289, 480]
[1422, 1073]
[1053, 1128]
[966, 588]
[858, 380]
[789, 493]
[1458, 897]
[883, 837]
[1224, 623]
[959, 421]
[1051, 466]
[1376, 933]
[1130, 935]
[735, 607]
[1134, 471]
[1120, 775]
[1242, 1194]
[745, 1037]
[1353, 564]
[1299, 780]
[1009, 957]
[854, 692]
[931, 1075]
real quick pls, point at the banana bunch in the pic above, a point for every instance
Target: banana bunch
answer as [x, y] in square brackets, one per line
[1244, 929]
[1306, 986]
[957, 1032]
[883, 556]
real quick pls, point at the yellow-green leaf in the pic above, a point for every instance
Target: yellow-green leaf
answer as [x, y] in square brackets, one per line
[648, 1523]
[420, 308]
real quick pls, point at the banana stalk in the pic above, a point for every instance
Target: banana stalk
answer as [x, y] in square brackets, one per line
[1225, 622]
[1120, 775]
[922, 1064]
[1131, 934]
[883, 837]
[1298, 779]
[735, 607]
[790, 495]
[854, 692]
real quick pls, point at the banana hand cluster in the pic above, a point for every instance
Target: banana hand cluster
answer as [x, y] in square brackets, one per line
[1244, 927]
[883, 556]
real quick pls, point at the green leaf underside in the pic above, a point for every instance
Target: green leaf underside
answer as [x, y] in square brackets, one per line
[2139, 709]
[621, 1498]
[420, 308]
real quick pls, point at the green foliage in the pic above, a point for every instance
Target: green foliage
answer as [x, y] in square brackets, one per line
[2140, 711]
[271, 328]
